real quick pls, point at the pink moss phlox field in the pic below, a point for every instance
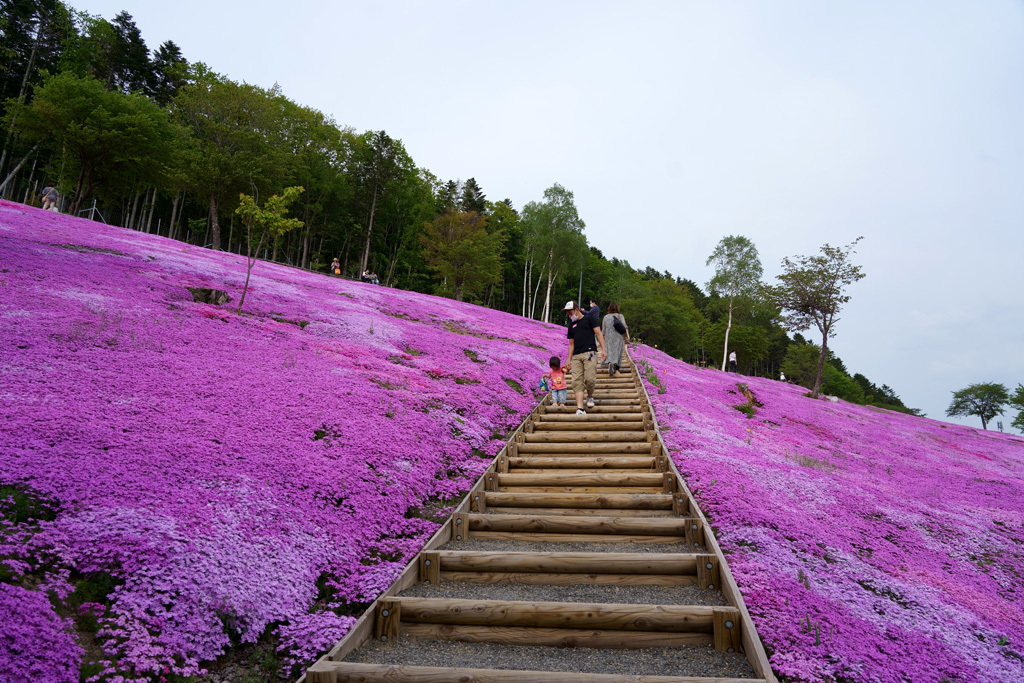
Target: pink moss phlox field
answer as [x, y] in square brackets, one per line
[869, 545]
[230, 473]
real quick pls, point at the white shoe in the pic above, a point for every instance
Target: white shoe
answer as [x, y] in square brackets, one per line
[580, 411]
[590, 402]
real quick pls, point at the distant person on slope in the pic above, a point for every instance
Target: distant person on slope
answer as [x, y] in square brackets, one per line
[584, 335]
[616, 335]
[732, 362]
[50, 197]
[594, 312]
[336, 266]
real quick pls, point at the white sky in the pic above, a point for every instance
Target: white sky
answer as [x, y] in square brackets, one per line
[676, 123]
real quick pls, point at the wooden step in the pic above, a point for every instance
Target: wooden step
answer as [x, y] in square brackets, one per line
[565, 624]
[594, 448]
[591, 512]
[610, 501]
[595, 414]
[353, 672]
[656, 479]
[664, 526]
[543, 425]
[642, 462]
[566, 569]
[556, 436]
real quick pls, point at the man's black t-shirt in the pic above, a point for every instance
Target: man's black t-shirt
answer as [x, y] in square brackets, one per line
[582, 334]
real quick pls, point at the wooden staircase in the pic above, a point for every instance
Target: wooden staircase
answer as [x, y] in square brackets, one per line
[582, 482]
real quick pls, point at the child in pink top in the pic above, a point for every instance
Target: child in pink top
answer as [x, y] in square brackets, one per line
[556, 381]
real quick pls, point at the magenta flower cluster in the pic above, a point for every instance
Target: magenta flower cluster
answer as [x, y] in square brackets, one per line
[232, 473]
[869, 545]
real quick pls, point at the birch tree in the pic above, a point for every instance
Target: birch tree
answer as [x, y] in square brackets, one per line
[737, 274]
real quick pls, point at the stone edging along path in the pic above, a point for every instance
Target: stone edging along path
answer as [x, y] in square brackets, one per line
[578, 555]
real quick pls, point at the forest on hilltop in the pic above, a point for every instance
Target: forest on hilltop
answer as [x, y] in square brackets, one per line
[150, 141]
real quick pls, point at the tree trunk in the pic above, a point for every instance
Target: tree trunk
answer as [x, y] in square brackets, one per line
[526, 289]
[215, 224]
[725, 349]
[78, 191]
[172, 229]
[546, 315]
[536, 291]
[305, 249]
[16, 168]
[135, 207]
[24, 87]
[369, 232]
[152, 207]
[821, 365]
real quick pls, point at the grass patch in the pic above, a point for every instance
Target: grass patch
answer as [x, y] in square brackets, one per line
[21, 505]
[514, 384]
[473, 356]
[301, 324]
[82, 249]
[812, 462]
[750, 407]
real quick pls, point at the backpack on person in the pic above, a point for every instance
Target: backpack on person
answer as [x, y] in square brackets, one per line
[619, 326]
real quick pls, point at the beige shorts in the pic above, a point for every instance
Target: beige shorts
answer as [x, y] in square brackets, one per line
[584, 372]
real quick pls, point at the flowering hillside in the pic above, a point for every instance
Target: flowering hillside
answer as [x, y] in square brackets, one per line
[176, 478]
[869, 545]
[222, 473]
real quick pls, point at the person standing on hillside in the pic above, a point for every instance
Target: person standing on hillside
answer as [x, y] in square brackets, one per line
[50, 197]
[616, 335]
[732, 362]
[584, 335]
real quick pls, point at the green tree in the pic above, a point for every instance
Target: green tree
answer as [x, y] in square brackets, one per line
[737, 275]
[986, 400]
[381, 163]
[263, 224]
[661, 312]
[459, 249]
[107, 133]
[32, 41]
[1017, 401]
[811, 293]
[235, 139]
[800, 364]
[473, 198]
[554, 242]
[169, 73]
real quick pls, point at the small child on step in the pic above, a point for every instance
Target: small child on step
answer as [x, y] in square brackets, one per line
[556, 381]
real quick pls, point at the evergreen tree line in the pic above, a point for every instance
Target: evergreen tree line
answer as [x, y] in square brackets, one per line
[151, 142]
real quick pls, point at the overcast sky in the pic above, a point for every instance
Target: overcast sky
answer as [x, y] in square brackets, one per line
[677, 123]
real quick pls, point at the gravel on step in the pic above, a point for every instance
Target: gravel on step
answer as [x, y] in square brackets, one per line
[682, 661]
[626, 595]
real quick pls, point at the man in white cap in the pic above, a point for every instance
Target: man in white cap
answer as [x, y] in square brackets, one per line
[584, 334]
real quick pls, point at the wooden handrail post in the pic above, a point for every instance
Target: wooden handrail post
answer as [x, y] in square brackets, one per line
[389, 614]
[695, 532]
[430, 567]
[726, 629]
[708, 576]
[460, 527]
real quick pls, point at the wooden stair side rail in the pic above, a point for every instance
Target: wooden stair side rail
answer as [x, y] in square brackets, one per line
[364, 627]
[749, 640]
